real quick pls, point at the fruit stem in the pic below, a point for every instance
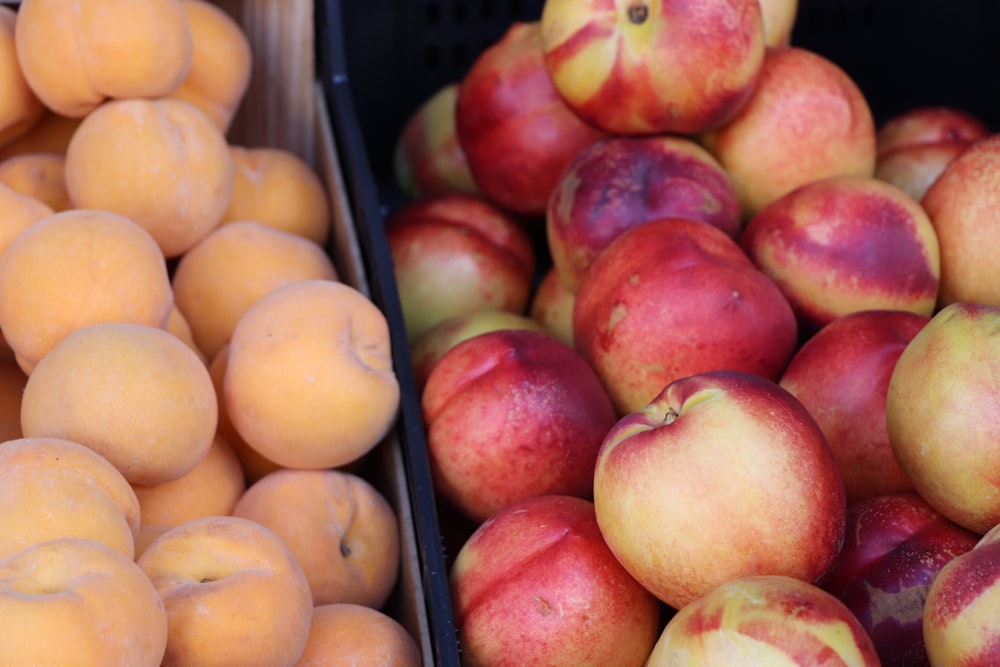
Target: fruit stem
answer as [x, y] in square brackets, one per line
[670, 416]
[638, 12]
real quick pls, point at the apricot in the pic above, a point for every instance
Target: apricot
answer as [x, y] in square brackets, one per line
[18, 211]
[54, 488]
[353, 634]
[135, 394]
[276, 187]
[50, 134]
[75, 54]
[20, 108]
[74, 268]
[309, 382]
[41, 176]
[221, 63]
[162, 163]
[233, 592]
[222, 275]
[178, 325]
[211, 488]
[73, 601]
[341, 529]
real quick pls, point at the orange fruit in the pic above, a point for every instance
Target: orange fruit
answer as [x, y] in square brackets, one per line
[309, 381]
[353, 634]
[20, 108]
[135, 394]
[50, 134]
[43, 296]
[41, 176]
[341, 529]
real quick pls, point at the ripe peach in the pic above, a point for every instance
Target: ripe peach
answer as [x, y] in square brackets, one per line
[42, 297]
[161, 163]
[342, 530]
[20, 108]
[135, 394]
[75, 54]
[807, 119]
[105, 608]
[222, 275]
[807, 241]
[353, 634]
[924, 125]
[211, 488]
[56, 488]
[18, 211]
[178, 325]
[41, 176]
[309, 382]
[233, 592]
[276, 187]
[221, 62]
[551, 305]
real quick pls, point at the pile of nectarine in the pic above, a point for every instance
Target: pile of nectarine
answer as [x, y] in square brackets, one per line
[189, 390]
[791, 308]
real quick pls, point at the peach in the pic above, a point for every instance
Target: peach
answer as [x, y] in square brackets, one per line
[515, 129]
[18, 211]
[724, 312]
[55, 488]
[456, 254]
[309, 381]
[276, 187]
[42, 297]
[765, 620]
[779, 17]
[620, 182]
[135, 394]
[806, 120]
[211, 488]
[233, 593]
[41, 176]
[808, 242]
[950, 370]
[161, 163]
[255, 465]
[551, 305]
[925, 125]
[536, 586]
[960, 624]
[645, 67]
[341, 529]
[841, 374]
[511, 414]
[179, 326]
[433, 343]
[218, 278]
[722, 475]
[913, 169]
[50, 134]
[20, 108]
[428, 159]
[962, 204]
[105, 608]
[76, 54]
[353, 634]
[221, 62]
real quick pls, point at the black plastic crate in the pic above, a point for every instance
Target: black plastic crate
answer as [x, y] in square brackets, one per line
[386, 57]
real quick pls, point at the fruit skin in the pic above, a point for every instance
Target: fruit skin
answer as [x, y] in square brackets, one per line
[914, 169]
[106, 610]
[940, 414]
[428, 159]
[806, 120]
[723, 475]
[552, 305]
[353, 634]
[894, 547]
[601, 54]
[963, 604]
[536, 586]
[517, 133]
[750, 621]
[808, 242]
[920, 126]
[619, 182]
[962, 204]
[512, 414]
[841, 374]
[457, 254]
[723, 312]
